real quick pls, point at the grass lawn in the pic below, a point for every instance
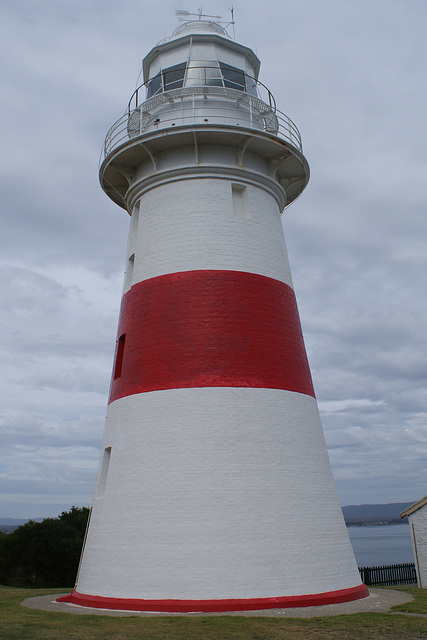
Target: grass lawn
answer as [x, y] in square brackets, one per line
[20, 623]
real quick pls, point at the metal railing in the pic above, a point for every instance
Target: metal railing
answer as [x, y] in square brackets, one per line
[243, 82]
[201, 105]
[389, 575]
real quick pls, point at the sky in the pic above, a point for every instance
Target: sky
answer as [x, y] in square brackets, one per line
[352, 77]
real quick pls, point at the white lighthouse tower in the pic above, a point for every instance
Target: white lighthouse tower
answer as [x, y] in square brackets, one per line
[215, 491]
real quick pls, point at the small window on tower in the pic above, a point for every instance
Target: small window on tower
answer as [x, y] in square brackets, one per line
[129, 273]
[105, 464]
[119, 356]
[240, 201]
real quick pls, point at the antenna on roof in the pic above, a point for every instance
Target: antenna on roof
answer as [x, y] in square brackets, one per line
[232, 22]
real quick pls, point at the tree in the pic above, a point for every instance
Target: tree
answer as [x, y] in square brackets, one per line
[44, 554]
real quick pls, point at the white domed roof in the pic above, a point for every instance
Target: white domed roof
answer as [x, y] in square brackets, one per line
[199, 26]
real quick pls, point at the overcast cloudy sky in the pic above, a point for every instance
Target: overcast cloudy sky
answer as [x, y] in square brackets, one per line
[351, 74]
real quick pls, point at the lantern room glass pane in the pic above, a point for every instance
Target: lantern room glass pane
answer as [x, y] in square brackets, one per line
[203, 72]
[213, 74]
[173, 77]
[251, 85]
[234, 78]
[195, 74]
[155, 85]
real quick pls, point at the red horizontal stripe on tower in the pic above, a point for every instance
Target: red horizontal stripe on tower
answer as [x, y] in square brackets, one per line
[210, 329]
[228, 604]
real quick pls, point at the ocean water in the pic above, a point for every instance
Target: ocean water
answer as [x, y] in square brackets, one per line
[381, 545]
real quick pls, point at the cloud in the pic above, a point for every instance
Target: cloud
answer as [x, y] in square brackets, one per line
[350, 76]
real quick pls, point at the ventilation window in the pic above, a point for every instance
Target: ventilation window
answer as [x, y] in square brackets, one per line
[129, 273]
[102, 483]
[240, 201]
[119, 356]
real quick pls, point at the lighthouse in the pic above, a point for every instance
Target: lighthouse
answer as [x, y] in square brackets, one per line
[214, 490]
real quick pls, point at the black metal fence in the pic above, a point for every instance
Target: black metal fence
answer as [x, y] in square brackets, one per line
[390, 575]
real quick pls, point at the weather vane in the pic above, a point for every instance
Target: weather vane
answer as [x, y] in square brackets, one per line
[183, 16]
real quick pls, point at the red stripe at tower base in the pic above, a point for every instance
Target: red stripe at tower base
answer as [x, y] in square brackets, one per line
[210, 606]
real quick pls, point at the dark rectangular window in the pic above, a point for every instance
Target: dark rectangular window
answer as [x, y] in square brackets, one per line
[234, 78]
[173, 77]
[119, 356]
[155, 85]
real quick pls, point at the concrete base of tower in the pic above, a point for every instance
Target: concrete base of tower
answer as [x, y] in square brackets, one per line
[217, 605]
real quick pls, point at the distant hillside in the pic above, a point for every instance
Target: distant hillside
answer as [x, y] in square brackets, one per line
[365, 514]
[10, 524]
[354, 515]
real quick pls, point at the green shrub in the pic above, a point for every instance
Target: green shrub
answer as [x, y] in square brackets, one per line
[44, 554]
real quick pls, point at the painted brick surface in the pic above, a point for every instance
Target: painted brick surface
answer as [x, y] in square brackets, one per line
[215, 483]
[210, 329]
[216, 493]
[190, 225]
[219, 485]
